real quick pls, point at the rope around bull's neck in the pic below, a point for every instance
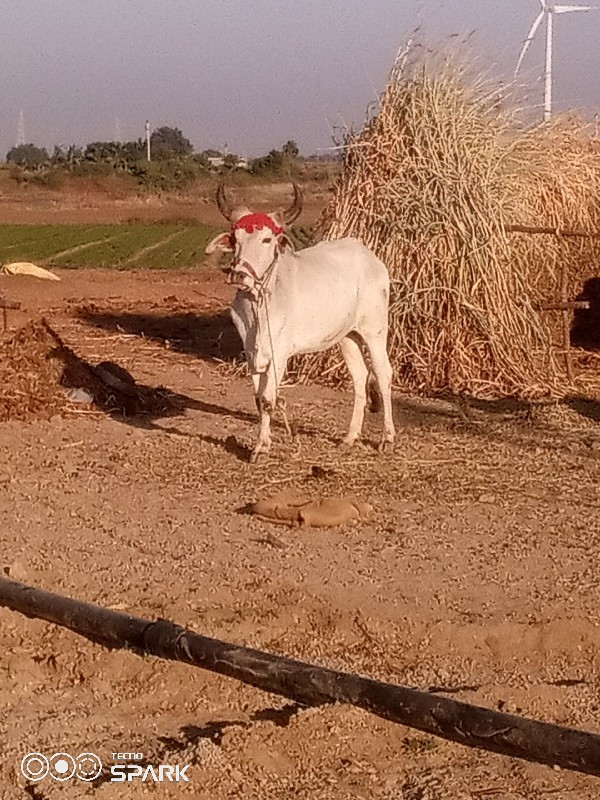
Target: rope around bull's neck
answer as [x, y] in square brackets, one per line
[263, 296]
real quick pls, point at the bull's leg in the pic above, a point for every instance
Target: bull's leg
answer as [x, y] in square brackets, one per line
[265, 398]
[280, 403]
[267, 401]
[359, 373]
[382, 370]
[282, 408]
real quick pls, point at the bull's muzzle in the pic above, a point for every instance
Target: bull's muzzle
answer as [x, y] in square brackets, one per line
[243, 275]
[240, 277]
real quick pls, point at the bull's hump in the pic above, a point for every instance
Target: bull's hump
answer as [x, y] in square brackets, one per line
[345, 245]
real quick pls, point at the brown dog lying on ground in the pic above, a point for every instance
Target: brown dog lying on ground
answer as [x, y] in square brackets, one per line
[299, 510]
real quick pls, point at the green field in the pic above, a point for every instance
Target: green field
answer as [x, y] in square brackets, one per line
[133, 246]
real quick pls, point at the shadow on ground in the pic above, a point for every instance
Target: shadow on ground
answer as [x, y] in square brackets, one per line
[518, 423]
[212, 336]
[208, 336]
[42, 376]
[585, 407]
[116, 392]
[213, 731]
[448, 409]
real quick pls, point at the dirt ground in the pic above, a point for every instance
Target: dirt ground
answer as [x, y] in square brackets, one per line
[478, 576]
[103, 201]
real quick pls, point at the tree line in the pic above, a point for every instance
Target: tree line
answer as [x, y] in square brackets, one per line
[173, 161]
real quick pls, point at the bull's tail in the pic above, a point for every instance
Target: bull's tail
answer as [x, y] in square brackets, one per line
[374, 398]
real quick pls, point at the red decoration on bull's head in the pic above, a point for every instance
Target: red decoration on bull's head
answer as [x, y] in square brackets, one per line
[252, 222]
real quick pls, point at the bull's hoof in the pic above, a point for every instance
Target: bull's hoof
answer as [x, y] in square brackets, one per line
[296, 453]
[260, 452]
[347, 445]
[385, 446]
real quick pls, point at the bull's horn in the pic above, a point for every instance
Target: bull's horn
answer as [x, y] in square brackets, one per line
[294, 211]
[225, 206]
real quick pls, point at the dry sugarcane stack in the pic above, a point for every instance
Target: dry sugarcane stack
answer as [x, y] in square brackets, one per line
[555, 182]
[431, 184]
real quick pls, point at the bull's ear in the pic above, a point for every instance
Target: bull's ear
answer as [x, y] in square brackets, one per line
[220, 242]
[284, 242]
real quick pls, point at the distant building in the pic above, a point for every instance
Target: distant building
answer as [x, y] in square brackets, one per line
[219, 161]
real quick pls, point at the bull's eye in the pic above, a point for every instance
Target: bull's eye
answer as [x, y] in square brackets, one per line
[268, 240]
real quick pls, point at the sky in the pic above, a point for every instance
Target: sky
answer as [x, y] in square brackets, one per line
[253, 73]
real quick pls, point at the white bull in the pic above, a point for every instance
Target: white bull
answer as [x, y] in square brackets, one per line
[289, 303]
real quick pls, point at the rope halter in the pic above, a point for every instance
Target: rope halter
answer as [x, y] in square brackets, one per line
[251, 223]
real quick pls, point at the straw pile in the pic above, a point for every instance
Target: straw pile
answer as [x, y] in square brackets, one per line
[37, 369]
[430, 185]
[553, 176]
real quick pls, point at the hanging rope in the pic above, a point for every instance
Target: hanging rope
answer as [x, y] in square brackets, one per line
[263, 296]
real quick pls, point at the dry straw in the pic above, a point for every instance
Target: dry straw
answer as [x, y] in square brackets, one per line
[430, 185]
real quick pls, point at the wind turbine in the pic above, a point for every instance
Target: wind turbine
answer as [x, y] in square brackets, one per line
[548, 11]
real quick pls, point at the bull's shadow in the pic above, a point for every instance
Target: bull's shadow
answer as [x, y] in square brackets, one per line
[208, 336]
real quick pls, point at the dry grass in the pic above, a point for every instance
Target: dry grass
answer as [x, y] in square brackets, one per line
[37, 369]
[431, 185]
[555, 181]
